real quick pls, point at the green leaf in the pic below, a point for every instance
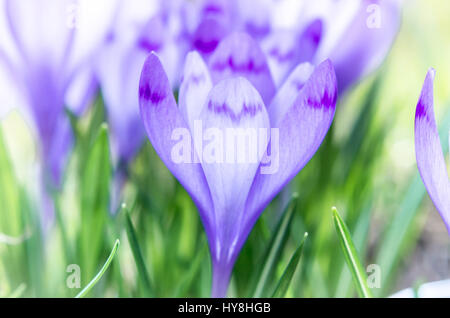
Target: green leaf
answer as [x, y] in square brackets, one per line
[275, 247]
[100, 274]
[95, 184]
[137, 253]
[285, 281]
[351, 256]
[344, 287]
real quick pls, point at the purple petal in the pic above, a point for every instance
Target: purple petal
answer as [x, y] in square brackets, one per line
[364, 44]
[239, 55]
[162, 118]
[118, 71]
[287, 94]
[208, 35]
[310, 40]
[281, 47]
[194, 89]
[430, 159]
[301, 132]
[236, 128]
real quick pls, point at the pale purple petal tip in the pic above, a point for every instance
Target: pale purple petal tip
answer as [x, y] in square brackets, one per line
[429, 154]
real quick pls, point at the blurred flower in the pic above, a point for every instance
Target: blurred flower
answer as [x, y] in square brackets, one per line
[140, 27]
[45, 48]
[231, 195]
[355, 35]
[429, 155]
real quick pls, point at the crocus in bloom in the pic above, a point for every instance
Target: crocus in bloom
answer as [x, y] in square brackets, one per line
[429, 154]
[229, 193]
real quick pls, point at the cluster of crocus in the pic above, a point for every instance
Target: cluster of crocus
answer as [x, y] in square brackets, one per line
[235, 91]
[250, 69]
[429, 154]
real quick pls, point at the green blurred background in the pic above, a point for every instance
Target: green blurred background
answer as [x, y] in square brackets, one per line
[366, 168]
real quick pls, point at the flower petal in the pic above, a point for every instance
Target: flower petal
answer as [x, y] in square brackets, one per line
[208, 35]
[236, 124]
[430, 158]
[365, 42]
[162, 119]
[194, 89]
[287, 94]
[239, 55]
[301, 131]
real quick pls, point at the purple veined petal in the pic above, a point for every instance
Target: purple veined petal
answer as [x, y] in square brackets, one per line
[208, 35]
[235, 127]
[239, 55]
[281, 48]
[429, 155]
[288, 93]
[194, 89]
[286, 49]
[310, 40]
[365, 42]
[256, 19]
[300, 133]
[162, 120]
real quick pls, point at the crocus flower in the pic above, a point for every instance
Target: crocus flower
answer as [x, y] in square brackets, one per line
[141, 27]
[44, 48]
[231, 194]
[429, 154]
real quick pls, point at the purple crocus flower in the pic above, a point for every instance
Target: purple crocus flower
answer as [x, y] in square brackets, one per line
[45, 48]
[230, 195]
[430, 158]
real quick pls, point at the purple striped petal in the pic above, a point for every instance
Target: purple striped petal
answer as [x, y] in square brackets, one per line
[301, 132]
[236, 129]
[239, 55]
[194, 89]
[208, 35]
[287, 94]
[162, 118]
[429, 155]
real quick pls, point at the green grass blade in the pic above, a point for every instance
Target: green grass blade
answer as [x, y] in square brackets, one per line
[289, 272]
[351, 256]
[137, 253]
[99, 275]
[95, 181]
[276, 246]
